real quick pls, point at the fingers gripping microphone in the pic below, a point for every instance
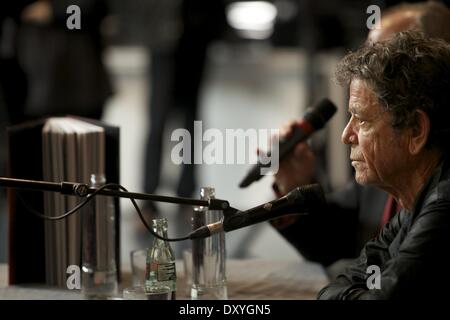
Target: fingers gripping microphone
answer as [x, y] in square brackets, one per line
[314, 119]
[301, 200]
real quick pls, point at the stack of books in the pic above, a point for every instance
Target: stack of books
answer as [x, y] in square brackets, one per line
[55, 149]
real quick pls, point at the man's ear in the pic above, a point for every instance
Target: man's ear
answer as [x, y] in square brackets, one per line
[419, 132]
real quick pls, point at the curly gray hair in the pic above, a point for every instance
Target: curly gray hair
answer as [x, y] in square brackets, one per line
[407, 72]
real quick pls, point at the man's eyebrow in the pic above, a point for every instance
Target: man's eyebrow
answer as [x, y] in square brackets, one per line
[352, 109]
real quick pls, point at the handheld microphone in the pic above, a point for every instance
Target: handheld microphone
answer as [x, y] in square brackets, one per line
[301, 200]
[314, 119]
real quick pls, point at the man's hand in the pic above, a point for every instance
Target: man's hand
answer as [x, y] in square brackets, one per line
[298, 167]
[295, 170]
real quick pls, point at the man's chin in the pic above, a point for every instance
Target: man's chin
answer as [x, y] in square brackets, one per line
[361, 179]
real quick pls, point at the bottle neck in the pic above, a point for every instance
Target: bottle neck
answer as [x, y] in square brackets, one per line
[203, 215]
[162, 233]
[207, 193]
[160, 227]
[97, 180]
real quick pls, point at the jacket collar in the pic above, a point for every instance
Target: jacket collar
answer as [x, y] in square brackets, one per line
[429, 192]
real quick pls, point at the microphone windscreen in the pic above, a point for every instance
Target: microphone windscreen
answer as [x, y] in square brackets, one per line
[320, 114]
[309, 197]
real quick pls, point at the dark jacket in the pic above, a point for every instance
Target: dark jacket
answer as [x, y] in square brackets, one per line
[412, 251]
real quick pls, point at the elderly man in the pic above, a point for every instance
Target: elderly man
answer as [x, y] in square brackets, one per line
[399, 138]
[355, 213]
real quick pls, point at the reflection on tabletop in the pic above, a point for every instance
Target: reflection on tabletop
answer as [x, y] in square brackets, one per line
[253, 279]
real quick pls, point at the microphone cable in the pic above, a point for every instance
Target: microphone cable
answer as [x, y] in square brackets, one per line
[87, 200]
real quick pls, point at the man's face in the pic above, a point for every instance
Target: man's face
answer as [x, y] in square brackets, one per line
[379, 153]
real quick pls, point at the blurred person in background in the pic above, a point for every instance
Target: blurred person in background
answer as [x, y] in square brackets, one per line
[63, 68]
[176, 34]
[176, 72]
[13, 83]
[47, 69]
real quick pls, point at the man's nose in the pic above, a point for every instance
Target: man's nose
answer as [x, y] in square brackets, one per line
[349, 135]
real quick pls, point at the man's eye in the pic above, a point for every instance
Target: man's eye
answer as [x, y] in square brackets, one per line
[359, 120]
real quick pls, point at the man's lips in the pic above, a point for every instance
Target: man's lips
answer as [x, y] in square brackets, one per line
[354, 161]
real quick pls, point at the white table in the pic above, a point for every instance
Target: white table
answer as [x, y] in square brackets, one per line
[260, 279]
[255, 279]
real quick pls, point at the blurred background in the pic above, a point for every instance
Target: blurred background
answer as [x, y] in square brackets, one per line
[152, 66]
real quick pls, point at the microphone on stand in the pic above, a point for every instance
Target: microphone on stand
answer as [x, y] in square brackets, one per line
[301, 200]
[314, 119]
[110, 189]
[82, 190]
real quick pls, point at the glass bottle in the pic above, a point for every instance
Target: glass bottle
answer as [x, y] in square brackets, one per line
[208, 255]
[99, 272]
[160, 264]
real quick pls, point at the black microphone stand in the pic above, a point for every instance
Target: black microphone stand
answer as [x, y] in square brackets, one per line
[83, 190]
